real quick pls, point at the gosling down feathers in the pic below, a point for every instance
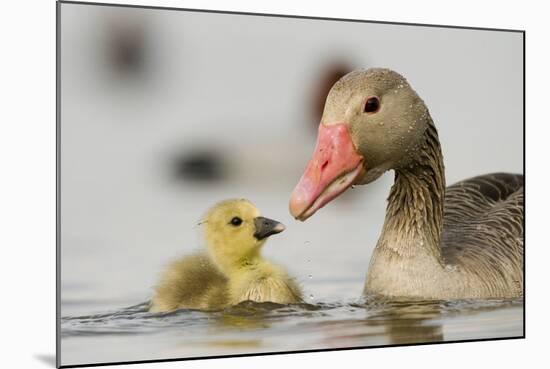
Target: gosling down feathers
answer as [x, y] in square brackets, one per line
[463, 241]
[232, 270]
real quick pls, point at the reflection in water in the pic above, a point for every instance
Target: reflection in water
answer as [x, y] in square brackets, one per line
[387, 323]
[237, 319]
[249, 315]
[242, 318]
[409, 323]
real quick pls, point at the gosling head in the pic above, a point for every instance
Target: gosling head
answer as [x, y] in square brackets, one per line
[373, 121]
[235, 232]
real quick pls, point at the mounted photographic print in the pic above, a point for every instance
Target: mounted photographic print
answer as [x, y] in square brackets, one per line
[241, 184]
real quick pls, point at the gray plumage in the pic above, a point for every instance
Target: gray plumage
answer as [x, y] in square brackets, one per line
[483, 230]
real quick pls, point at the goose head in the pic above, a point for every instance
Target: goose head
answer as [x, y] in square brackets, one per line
[235, 231]
[373, 121]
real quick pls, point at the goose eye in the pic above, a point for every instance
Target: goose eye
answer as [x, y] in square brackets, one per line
[372, 105]
[236, 221]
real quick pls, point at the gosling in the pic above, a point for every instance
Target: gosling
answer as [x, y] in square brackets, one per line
[233, 269]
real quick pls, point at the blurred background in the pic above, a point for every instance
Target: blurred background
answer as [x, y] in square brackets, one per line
[164, 113]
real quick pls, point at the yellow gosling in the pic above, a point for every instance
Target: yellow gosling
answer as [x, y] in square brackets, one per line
[233, 270]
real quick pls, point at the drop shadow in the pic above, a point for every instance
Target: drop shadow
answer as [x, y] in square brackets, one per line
[48, 359]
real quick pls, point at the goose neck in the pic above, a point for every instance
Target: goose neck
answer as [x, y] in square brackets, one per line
[414, 215]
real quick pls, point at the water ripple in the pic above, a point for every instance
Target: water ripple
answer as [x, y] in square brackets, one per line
[250, 315]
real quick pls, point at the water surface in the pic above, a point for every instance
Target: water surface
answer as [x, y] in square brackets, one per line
[133, 333]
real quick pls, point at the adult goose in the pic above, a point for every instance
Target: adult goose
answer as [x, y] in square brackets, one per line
[463, 241]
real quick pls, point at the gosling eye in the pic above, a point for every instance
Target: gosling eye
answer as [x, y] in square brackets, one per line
[236, 221]
[372, 105]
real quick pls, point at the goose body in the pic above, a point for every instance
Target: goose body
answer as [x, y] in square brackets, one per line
[232, 270]
[481, 247]
[437, 242]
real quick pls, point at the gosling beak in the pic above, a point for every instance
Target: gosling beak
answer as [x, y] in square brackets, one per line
[266, 227]
[334, 167]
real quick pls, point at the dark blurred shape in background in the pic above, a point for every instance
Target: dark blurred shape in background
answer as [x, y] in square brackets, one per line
[200, 164]
[126, 45]
[204, 164]
[329, 75]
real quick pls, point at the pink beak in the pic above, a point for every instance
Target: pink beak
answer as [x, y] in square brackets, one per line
[333, 168]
